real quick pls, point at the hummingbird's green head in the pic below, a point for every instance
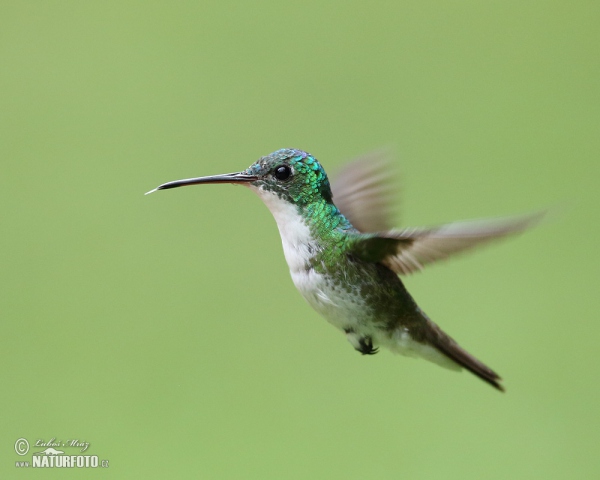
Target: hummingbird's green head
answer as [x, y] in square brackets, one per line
[293, 175]
[295, 188]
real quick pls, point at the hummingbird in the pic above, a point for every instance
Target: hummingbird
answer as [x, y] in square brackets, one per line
[346, 260]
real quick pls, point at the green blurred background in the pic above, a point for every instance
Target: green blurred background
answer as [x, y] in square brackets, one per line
[165, 330]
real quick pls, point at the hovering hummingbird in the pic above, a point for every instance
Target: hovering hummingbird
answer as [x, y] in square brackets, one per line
[345, 259]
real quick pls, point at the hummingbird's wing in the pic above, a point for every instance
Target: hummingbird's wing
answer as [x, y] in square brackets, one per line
[364, 192]
[409, 250]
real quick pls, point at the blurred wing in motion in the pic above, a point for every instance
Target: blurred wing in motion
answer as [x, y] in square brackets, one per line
[409, 250]
[364, 192]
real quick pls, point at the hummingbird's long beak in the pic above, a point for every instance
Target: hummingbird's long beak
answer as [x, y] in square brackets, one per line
[238, 177]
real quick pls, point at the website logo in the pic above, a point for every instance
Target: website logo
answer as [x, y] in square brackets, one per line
[55, 454]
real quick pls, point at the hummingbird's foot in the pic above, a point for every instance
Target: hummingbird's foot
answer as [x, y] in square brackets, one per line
[363, 345]
[366, 346]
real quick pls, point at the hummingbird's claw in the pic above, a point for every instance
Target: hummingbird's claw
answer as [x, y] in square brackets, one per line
[366, 346]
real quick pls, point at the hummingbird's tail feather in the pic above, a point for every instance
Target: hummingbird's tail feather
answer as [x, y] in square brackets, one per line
[454, 352]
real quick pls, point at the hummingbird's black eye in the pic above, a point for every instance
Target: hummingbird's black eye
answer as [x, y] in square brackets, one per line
[283, 172]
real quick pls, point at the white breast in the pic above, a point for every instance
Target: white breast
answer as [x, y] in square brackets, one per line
[337, 306]
[298, 244]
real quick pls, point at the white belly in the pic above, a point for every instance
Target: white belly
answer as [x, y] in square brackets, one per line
[340, 307]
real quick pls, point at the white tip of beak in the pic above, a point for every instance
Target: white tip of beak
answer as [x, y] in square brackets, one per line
[151, 191]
